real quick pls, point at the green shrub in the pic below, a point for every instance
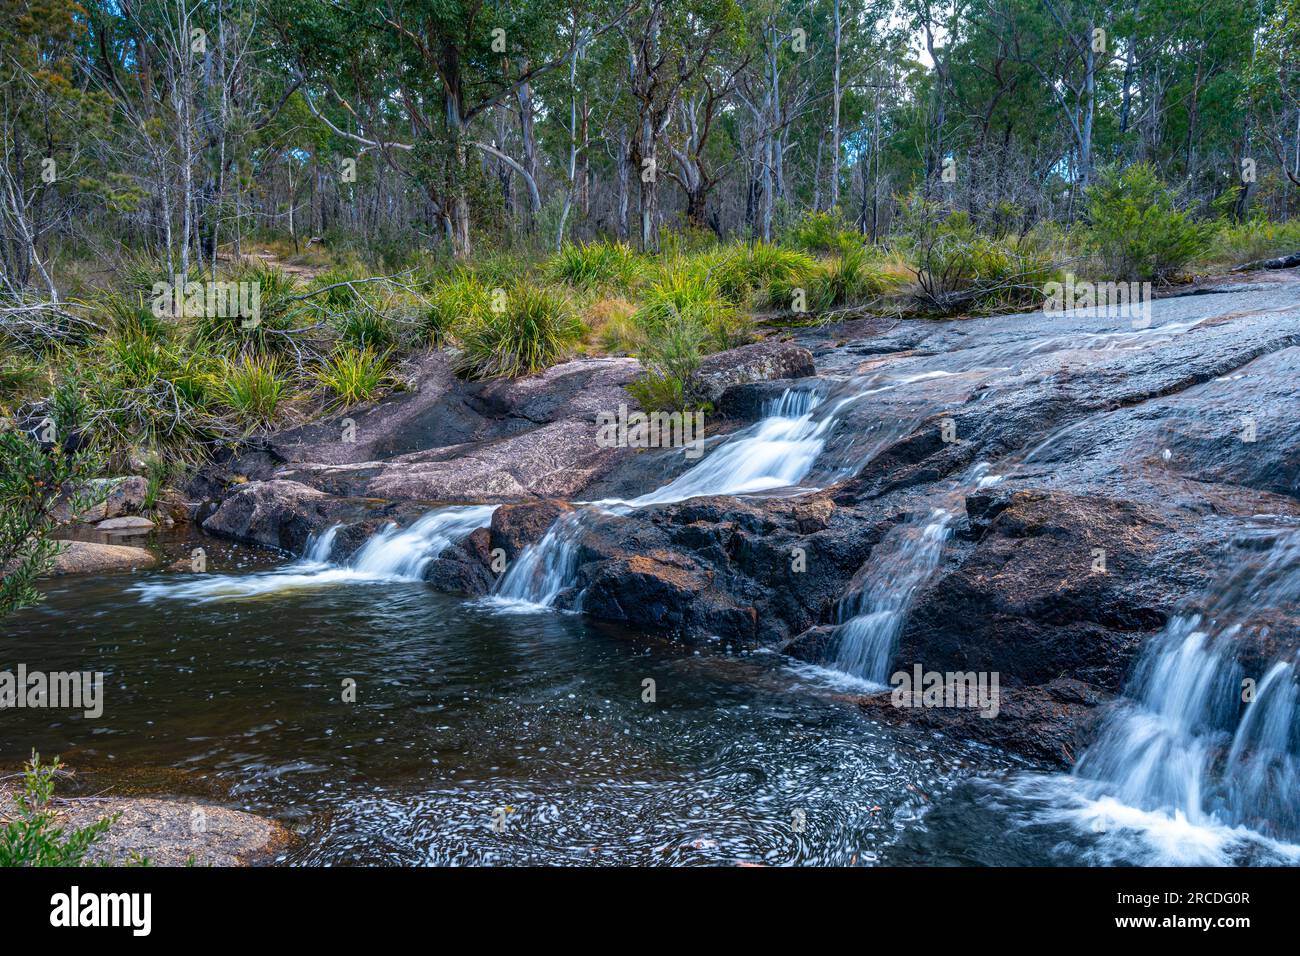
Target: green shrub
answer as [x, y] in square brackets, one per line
[31, 481]
[821, 233]
[143, 392]
[601, 263]
[1238, 243]
[1135, 231]
[659, 392]
[671, 354]
[958, 269]
[253, 389]
[536, 328]
[353, 375]
[31, 838]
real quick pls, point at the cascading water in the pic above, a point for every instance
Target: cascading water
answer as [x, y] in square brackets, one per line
[393, 554]
[1199, 741]
[404, 553]
[876, 613]
[543, 570]
[779, 451]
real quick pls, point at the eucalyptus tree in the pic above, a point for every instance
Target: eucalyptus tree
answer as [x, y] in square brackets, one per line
[430, 71]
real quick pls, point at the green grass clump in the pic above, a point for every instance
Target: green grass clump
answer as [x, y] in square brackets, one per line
[353, 375]
[534, 328]
[1239, 243]
[454, 302]
[366, 327]
[820, 233]
[253, 389]
[687, 293]
[279, 310]
[741, 272]
[594, 264]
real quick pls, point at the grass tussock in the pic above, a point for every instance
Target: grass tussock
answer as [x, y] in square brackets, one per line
[525, 329]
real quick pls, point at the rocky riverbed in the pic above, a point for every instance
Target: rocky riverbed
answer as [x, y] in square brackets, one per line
[1086, 476]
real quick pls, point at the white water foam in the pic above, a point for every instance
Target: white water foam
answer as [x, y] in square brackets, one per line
[1191, 768]
[391, 555]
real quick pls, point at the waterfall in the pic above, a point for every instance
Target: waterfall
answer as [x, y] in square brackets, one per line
[898, 567]
[391, 555]
[404, 553]
[1192, 742]
[776, 452]
[536, 578]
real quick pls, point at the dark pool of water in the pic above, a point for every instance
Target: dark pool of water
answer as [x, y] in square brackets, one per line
[461, 711]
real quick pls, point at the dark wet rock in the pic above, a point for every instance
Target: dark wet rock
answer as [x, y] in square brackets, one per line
[754, 400]
[285, 514]
[739, 570]
[464, 567]
[760, 362]
[1051, 723]
[432, 411]
[1028, 601]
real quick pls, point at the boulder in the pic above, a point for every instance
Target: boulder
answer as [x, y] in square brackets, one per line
[516, 526]
[552, 461]
[121, 496]
[1051, 723]
[86, 557]
[760, 362]
[285, 514]
[128, 523]
[169, 832]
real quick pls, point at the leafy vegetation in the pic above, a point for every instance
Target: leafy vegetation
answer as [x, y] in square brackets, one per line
[353, 376]
[32, 837]
[1135, 229]
[32, 480]
[528, 329]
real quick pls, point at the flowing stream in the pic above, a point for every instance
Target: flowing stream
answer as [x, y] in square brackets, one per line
[462, 716]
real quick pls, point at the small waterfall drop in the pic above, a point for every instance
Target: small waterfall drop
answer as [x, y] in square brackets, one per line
[391, 555]
[404, 553]
[875, 615]
[776, 452]
[1193, 743]
[536, 578]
